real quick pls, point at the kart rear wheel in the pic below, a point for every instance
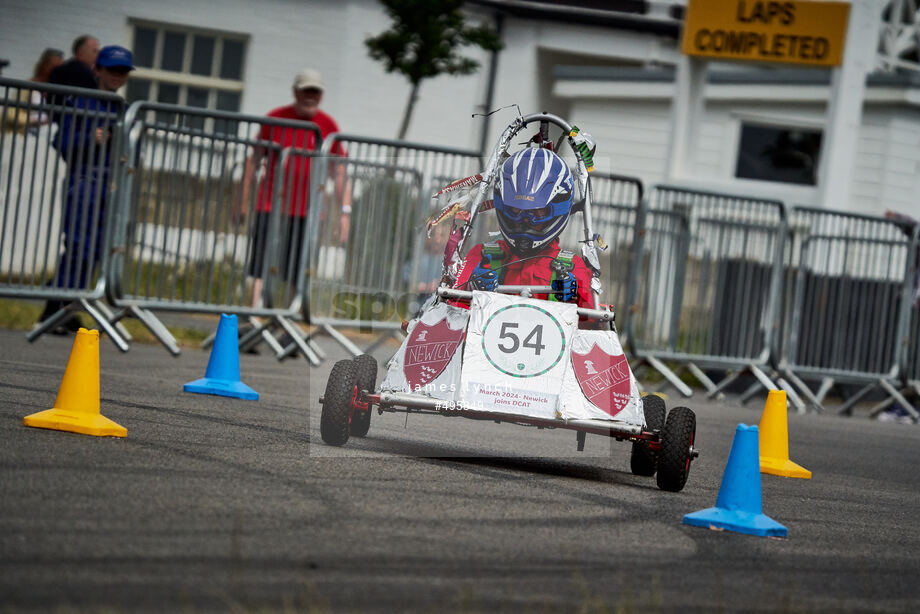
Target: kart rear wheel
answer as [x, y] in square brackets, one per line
[644, 460]
[366, 378]
[340, 390]
[676, 453]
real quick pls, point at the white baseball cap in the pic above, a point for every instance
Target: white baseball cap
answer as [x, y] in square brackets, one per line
[308, 78]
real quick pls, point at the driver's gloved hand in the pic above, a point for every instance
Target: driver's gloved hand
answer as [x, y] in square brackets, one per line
[565, 289]
[483, 277]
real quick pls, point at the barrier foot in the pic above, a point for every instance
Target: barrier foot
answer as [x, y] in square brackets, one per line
[877, 409]
[763, 381]
[261, 332]
[762, 377]
[896, 395]
[382, 338]
[792, 395]
[157, 329]
[794, 398]
[250, 339]
[826, 384]
[270, 341]
[113, 319]
[805, 390]
[105, 325]
[317, 349]
[50, 322]
[208, 341]
[847, 408]
[342, 340]
[311, 343]
[669, 375]
[299, 342]
[730, 378]
[749, 393]
[707, 383]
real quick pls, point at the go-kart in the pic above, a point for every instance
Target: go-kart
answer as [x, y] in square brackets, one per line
[506, 356]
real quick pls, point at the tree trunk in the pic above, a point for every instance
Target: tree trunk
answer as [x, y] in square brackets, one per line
[407, 116]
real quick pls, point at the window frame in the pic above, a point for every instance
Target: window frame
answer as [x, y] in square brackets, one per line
[786, 124]
[185, 79]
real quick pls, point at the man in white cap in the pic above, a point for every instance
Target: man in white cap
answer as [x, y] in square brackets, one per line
[308, 93]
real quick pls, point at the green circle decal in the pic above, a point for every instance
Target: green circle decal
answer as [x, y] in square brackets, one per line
[523, 340]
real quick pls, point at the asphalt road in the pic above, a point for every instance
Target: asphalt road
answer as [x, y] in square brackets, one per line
[214, 504]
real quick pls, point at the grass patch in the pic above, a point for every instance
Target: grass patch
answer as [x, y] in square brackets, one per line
[23, 314]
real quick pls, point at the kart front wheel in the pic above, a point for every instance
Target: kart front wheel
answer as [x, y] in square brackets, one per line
[677, 451]
[644, 460]
[340, 390]
[366, 378]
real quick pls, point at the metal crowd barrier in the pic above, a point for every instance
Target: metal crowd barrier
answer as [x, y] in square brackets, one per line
[706, 282]
[848, 303]
[615, 202]
[59, 152]
[387, 234]
[702, 280]
[191, 235]
[911, 359]
[368, 277]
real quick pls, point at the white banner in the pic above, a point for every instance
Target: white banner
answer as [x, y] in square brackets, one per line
[428, 361]
[599, 383]
[516, 354]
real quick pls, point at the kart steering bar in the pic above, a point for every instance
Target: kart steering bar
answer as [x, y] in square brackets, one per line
[466, 295]
[547, 117]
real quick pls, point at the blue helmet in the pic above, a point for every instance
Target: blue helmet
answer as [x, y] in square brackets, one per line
[533, 198]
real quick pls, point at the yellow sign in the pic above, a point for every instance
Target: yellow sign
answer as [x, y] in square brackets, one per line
[800, 32]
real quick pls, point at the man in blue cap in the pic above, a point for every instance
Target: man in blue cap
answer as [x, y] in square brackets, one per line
[112, 67]
[85, 140]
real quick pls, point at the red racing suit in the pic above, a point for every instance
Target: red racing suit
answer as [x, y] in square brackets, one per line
[536, 270]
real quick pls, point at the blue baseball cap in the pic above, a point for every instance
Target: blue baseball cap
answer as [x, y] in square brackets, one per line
[113, 55]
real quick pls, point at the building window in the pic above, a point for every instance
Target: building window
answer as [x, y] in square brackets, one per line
[778, 153]
[187, 67]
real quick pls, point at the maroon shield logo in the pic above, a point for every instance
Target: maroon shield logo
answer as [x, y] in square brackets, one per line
[604, 379]
[428, 352]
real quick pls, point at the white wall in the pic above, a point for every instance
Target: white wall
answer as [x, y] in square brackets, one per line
[632, 131]
[285, 36]
[520, 72]
[900, 154]
[633, 137]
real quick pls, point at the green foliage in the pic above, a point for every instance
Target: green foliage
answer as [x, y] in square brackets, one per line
[424, 41]
[424, 38]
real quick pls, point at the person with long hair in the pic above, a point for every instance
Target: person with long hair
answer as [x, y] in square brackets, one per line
[50, 59]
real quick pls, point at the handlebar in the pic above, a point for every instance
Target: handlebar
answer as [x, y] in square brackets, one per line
[590, 314]
[547, 117]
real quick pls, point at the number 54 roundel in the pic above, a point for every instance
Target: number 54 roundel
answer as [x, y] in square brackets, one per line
[516, 354]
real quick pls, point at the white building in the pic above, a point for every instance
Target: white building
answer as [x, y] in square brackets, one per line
[608, 70]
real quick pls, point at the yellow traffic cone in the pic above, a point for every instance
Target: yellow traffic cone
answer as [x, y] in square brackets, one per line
[76, 408]
[774, 439]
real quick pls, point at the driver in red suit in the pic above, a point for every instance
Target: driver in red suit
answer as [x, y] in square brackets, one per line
[533, 199]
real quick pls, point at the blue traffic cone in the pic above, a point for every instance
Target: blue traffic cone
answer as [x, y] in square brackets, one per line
[223, 374]
[739, 507]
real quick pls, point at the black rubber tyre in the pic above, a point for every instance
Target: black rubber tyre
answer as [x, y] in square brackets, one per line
[644, 460]
[366, 378]
[677, 439]
[340, 388]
